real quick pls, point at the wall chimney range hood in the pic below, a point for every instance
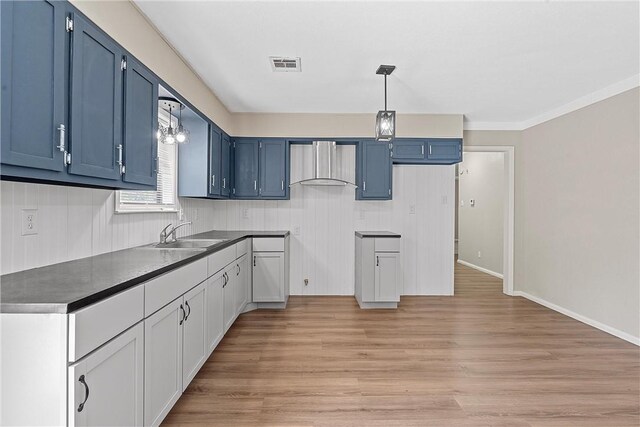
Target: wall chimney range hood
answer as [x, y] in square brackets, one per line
[324, 169]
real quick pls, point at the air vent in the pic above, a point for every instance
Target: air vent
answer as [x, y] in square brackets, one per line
[285, 65]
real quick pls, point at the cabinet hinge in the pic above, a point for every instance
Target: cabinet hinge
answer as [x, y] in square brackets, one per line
[390, 146]
[69, 24]
[123, 64]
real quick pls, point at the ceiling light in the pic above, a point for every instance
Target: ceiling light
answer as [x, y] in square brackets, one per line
[385, 119]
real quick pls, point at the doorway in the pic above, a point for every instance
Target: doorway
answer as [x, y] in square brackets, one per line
[485, 212]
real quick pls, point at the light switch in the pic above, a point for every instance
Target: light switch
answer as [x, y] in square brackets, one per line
[472, 202]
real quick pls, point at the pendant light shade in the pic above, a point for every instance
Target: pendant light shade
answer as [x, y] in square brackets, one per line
[385, 119]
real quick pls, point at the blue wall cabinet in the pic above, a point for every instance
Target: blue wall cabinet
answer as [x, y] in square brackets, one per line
[225, 165]
[245, 168]
[140, 124]
[215, 163]
[96, 102]
[273, 168]
[374, 173]
[33, 84]
[408, 149]
[444, 150]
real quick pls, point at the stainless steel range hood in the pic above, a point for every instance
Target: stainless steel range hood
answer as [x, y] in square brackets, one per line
[325, 168]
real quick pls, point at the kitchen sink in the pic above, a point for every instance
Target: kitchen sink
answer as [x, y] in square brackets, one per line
[189, 244]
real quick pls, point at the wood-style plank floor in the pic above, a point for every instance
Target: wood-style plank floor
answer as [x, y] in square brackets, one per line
[479, 358]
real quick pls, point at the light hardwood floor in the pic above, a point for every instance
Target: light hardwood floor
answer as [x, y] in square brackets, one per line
[476, 359]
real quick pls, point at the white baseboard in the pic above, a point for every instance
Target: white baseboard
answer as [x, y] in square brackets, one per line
[598, 325]
[484, 270]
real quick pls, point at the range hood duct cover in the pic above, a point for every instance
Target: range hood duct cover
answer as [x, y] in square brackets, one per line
[326, 171]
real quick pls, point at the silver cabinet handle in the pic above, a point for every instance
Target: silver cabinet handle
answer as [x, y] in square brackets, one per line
[282, 185]
[364, 186]
[62, 139]
[422, 150]
[429, 149]
[224, 182]
[86, 392]
[120, 163]
[255, 185]
[213, 181]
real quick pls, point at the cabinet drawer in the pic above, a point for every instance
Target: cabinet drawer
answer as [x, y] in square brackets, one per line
[268, 244]
[242, 247]
[387, 244]
[162, 290]
[220, 260]
[96, 324]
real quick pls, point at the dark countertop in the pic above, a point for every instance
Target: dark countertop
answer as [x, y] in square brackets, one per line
[71, 285]
[363, 234]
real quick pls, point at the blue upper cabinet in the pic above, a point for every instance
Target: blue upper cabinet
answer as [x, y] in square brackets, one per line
[140, 124]
[408, 149]
[274, 164]
[33, 84]
[225, 165]
[245, 168]
[96, 102]
[215, 161]
[427, 151]
[374, 173]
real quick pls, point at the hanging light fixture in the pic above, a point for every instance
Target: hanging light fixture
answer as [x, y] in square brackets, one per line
[385, 119]
[172, 134]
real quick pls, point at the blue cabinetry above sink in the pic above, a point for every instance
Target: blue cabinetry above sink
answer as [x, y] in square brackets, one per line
[427, 151]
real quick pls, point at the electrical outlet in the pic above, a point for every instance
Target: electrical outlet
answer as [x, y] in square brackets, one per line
[29, 221]
[245, 213]
[296, 230]
[479, 254]
[306, 282]
[472, 202]
[412, 209]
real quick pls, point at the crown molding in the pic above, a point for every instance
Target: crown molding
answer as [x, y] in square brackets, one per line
[584, 101]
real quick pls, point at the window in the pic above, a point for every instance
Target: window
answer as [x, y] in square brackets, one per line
[164, 199]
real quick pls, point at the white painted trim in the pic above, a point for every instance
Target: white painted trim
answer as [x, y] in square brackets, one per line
[576, 104]
[509, 210]
[477, 267]
[579, 317]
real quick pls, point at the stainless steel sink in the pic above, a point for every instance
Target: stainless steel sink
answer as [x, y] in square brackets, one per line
[189, 244]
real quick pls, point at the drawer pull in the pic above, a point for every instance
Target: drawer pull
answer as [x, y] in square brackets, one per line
[86, 392]
[183, 314]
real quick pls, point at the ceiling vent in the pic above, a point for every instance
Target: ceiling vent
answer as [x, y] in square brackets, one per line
[286, 65]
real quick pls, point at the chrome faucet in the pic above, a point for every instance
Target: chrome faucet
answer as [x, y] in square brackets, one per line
[170, 236]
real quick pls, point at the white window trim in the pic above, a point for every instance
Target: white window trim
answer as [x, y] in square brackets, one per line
[128, 208]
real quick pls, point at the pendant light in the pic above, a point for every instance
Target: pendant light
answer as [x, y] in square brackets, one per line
[172, 134]
[385, 119]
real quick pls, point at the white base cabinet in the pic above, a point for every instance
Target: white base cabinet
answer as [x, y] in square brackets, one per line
[270, 272]
[106, 387]
[378, 272]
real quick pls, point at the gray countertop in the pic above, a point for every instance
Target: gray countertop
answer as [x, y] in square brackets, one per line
[363, 234]
[69, 286]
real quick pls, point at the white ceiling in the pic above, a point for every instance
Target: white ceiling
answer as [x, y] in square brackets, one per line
[496, 62]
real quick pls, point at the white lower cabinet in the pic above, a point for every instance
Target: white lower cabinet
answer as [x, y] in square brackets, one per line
[215, 308]
[268, 277]
[163, 361]
[194, 343]
[106, 387]
[229, 296]
[387, 276]
[242, 285]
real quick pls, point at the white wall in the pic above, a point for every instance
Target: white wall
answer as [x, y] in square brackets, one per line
[75, 223]
[480, 227]
[327, 217]
[580, 201]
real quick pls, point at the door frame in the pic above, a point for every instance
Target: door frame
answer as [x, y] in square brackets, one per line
[509, 204]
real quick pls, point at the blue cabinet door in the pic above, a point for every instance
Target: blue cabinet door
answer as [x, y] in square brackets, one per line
[225, 165]
[96, 102]
[140, 124]
[33, 83]
[374, 177]
[408, 149]
[215, 147]
[245, 168]
[444, 150]
[273, 168]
